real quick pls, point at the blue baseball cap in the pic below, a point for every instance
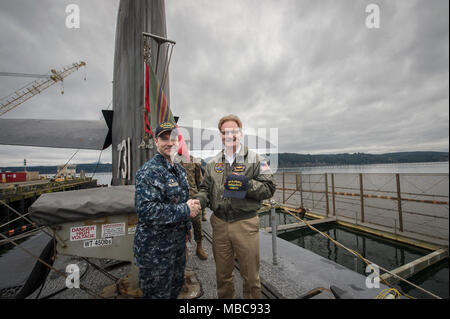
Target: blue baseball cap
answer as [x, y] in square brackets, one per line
[236, 186]
[165, 127]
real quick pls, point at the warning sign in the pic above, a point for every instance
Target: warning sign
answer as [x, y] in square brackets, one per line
[113, 230]
[83, 232]
[97, 242]
[131, 230]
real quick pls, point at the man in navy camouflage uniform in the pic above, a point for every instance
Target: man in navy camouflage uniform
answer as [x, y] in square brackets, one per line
[164, 219]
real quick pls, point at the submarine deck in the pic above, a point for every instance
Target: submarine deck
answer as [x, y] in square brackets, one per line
[297, 272]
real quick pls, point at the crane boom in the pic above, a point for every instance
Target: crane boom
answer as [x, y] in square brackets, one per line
[26, 75]
[36, 87]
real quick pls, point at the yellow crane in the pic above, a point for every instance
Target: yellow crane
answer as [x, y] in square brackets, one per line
[11, 101]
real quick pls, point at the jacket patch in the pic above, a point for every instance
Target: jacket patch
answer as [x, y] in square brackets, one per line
[264, 166]
[239, 168]
[219, 168]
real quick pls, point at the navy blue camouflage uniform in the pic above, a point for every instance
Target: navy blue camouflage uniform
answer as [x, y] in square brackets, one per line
[162, 191]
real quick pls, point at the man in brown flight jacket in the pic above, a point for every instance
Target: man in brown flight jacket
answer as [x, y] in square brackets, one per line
[236, 181]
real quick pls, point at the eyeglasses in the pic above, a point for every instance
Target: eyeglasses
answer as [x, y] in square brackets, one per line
[230, 132]
[168, 137]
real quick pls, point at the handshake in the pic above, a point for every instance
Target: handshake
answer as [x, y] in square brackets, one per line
[194, 207]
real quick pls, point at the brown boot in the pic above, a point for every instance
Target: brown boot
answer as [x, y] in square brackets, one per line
[200, 252]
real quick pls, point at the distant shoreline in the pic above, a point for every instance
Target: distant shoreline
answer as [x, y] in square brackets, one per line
[287, 160]
[300, 160]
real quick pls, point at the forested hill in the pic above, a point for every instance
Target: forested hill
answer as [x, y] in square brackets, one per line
[88, 168]
[293, 159]
[289, 160]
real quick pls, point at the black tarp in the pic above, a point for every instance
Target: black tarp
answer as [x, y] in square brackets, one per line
[78, 205]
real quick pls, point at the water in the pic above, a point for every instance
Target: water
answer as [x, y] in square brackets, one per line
[281, 219]
[429, 167]
[388, 254]
[433, 167]
[434, 279]
[417, 181]
[102, 178]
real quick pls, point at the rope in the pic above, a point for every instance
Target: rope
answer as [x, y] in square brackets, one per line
[98, 162]
[368, 262]
[49, 266]
[371, 182]
[66, 162]
[100, 155]
[107, 274]
[5, 238]
[166, 67]
[60, 290]
[391, 292]
[16, 212]
[13, 220]
[23, 235]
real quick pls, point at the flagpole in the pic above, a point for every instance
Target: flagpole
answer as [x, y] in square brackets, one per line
[158, 38]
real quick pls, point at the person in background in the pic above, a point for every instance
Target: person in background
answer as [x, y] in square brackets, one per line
[203, 209]
[194, 176]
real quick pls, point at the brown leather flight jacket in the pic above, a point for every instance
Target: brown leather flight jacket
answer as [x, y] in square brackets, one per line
[260, 185]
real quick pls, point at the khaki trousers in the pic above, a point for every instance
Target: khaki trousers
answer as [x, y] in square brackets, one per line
[238, 239]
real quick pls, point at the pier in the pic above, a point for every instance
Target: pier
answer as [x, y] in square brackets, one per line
[412, 268]
[300, 225]
[296, 272]
[409, 209]
[21, 195]
[413, 208]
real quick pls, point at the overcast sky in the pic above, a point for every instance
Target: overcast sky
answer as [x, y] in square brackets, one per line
[311, 69]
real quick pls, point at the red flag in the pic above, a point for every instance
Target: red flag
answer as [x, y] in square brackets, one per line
[182, 148]
[148, 128]
[156, 105]
[159, 108]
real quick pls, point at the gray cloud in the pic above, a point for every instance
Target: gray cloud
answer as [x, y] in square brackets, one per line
[34, 40]
[309, 68]
[314, 71]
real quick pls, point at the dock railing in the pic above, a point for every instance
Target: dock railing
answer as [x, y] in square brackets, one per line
[410, 205]
[16, 198]
[39, 185]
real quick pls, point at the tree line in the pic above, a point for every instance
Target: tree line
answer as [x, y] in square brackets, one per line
[286, 160]
[293, 159]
